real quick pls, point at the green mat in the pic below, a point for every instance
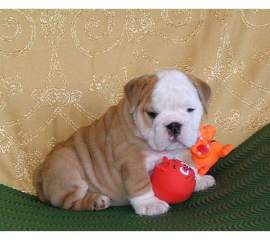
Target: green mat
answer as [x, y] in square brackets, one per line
[240, 201]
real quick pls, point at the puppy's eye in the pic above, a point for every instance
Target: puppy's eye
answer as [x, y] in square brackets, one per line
[190, 110]
[152, 114]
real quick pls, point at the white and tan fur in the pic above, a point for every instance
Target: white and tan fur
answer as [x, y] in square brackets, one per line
[109, 162]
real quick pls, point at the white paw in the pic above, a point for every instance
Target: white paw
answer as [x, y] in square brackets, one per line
[204, 182]
[152, 207]
[101, 202]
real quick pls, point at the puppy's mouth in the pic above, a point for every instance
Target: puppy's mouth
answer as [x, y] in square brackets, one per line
[175, 139]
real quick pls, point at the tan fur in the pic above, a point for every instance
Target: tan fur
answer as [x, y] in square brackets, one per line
[144, 105]
[139, 88]
[203, 90]
[103, 159]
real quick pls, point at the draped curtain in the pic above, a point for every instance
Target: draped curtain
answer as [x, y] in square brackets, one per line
[61, 69]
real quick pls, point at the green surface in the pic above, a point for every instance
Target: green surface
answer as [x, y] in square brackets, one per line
[240, 201]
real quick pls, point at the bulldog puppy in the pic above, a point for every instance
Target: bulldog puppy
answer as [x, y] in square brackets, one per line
[109, 162]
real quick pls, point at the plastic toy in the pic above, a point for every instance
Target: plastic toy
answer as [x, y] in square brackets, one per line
[206, 151]
[173, 181]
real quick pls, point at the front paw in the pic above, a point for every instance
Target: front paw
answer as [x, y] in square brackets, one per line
[204, 182]
[151, 207]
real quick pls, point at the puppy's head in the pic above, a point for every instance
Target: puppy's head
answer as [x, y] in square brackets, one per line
[167, 108]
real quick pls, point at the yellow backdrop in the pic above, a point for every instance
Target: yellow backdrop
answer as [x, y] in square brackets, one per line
[59, 70]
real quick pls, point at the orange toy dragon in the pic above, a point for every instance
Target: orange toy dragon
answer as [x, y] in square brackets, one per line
[206, 151]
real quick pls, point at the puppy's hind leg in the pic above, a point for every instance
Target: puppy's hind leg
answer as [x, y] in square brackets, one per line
[60, 182]
[82, 199]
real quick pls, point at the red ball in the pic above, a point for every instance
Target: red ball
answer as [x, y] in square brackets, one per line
[173, 181]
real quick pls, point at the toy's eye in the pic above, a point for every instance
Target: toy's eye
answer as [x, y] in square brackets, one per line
[190, 110]
[184, 170]
[152, 114]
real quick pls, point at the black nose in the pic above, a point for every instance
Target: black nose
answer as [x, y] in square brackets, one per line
[174, 128]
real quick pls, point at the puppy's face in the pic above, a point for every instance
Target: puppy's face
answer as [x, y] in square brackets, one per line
[167, 108]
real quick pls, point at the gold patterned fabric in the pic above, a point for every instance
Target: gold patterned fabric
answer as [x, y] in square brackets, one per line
[61, 69]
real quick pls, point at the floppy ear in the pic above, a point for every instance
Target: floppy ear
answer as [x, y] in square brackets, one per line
[134, 89]
[203, 90]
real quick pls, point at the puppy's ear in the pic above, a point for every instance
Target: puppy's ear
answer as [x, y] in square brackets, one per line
[134, 90]
[203, 90]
